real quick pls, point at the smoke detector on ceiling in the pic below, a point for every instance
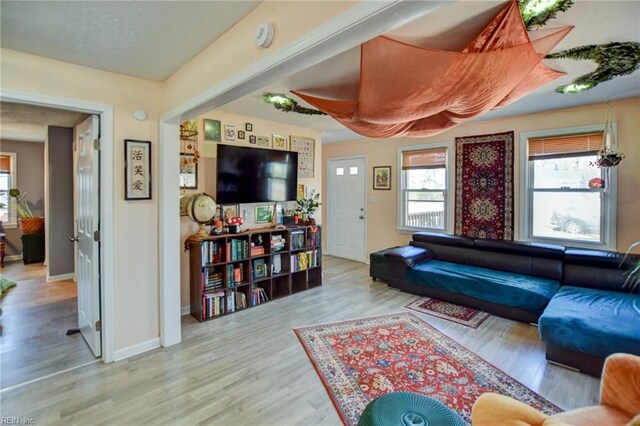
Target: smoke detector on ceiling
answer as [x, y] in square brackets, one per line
[264, 35]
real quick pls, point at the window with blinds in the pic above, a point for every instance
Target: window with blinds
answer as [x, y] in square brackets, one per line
[564, 146]
[423, 189]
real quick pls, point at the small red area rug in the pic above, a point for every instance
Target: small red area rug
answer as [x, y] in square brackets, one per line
[361, 359]
[449, 311]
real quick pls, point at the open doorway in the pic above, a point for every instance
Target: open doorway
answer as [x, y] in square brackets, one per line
[42, 315]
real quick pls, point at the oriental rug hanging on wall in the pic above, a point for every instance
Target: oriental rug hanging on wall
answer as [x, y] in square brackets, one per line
[484, 186]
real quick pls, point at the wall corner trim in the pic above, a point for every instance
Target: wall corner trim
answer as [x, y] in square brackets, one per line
[136, 349]
[185, 310]
[63, 277]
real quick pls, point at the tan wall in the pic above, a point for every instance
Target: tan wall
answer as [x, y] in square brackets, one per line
[382, 216]
[207, 173]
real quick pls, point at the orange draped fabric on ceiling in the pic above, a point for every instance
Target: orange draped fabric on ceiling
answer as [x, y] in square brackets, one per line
[411, 91]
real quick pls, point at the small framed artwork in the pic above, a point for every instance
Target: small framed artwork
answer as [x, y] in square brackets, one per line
[305, 148]
[300, 192]
[264, 214]
[231, 211]
[382, 177]
[229, 132]
[211, 130]
[280, 142]
[263, 141]
[137, 169]
[248, 127]
[240, 134]
[188, 172]
[252, 139]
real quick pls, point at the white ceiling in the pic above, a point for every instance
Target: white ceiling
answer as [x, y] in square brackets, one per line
[450, 28]
[29, 122]
[148, 39]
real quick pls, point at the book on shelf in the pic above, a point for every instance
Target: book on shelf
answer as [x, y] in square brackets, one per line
[213, 304]
[211, 280]
[211, 252]
[259, 268]
[305, 260]
[276, 264]
[235, 274]
[277, 243]
[298, 239]
[258, 295]
[237, 249]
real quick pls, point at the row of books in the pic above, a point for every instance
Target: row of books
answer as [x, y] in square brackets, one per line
[235, 275]
[306, 260]
[211, 280]
[277, 243]
[237, 249]
[258, 295]
[211, 252]
[298, 239]
[214, 304]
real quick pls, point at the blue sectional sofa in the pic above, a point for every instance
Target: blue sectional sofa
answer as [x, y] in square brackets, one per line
[574, 295]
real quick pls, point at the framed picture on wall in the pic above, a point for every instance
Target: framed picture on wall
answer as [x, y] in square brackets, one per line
[382, 177]
[280, 142]
[231, 211]
[263, 141]
[305, 149]
[137, 170]
[264, 214]
[211, 130]
[229, 132]
[240, 134]
[248, 127]
[252, 139]
[188, 172]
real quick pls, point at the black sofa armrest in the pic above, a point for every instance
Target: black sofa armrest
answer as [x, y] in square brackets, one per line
[402, 258]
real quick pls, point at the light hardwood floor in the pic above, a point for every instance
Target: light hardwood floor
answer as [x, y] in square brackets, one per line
[249, 368]
[36, 316]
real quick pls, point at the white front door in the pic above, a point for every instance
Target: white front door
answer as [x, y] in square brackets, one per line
[87, 232]
[346, 208]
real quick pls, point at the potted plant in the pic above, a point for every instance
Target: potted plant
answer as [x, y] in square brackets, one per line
[307, 206]
[28, 223]
[608, 157]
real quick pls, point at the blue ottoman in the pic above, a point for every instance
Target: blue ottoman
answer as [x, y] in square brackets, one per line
[408, 409]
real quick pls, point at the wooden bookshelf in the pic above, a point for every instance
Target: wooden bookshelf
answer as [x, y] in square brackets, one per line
[232, 272]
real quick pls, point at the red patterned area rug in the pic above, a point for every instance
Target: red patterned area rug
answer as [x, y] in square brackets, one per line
[484, 186]
[449, 311]
[362, 359]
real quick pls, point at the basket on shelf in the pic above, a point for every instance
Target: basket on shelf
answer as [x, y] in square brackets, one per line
[32, 225]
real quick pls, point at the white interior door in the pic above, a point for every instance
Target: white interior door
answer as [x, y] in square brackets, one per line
[346, 208]
[87, 232]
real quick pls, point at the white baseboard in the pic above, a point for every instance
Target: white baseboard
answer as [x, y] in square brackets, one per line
[123, 353]
[185, 310]
[63, 277]
[13, 257]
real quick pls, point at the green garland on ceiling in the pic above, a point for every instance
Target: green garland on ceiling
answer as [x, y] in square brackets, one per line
[285, 103]
[613, 59]
[536, 13]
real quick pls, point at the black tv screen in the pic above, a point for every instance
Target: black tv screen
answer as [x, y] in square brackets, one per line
[255, 175]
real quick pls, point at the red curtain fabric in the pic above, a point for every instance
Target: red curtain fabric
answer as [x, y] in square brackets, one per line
[406, 90]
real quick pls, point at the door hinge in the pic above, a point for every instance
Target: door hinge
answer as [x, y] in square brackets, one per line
[98, 325]
[96, 144]
[96, 235]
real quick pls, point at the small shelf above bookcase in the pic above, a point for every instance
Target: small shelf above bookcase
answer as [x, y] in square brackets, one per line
[232, 272]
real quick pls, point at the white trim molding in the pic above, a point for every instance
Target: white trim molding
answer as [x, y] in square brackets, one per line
[63, 277]
[185, 310]
[357, 24]
[106, 197]
[13, 257]
[136, 349]
[524, 203]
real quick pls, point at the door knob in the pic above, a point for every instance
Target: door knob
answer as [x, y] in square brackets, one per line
[361, 217]
[73, 239]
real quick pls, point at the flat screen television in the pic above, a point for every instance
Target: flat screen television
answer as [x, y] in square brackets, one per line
[255, 175]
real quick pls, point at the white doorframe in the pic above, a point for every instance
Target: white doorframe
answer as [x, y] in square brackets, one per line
[106, 196]
[356, 25]
[365, 203]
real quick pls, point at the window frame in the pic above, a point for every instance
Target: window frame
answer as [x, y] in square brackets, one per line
[609, 194]
[403, 228]
[13, 214]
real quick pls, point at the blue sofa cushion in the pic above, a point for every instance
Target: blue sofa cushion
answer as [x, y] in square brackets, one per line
[491, 285]
[593, 321]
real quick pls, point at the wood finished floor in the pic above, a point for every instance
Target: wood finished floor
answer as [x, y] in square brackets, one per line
[36, 316]
[249, 368]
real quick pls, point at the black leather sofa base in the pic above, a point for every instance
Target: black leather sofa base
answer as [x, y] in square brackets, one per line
[460, 299]
[589, 364]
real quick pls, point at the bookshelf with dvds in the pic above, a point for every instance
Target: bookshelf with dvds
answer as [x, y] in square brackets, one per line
[232, 272]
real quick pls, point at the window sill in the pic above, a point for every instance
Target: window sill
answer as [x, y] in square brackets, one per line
[402, 230]
[570, 243]
[9, 225]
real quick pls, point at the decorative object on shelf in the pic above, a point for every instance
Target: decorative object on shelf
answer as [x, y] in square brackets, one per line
[231, 211]
[305, 147]
[264, 214]
[607, 156]
[613, 59]
[241, 134]
[536, 13]
[201, 208]
[229, 132]
[218, 228]
[29, 224]
[502, 64]
[184, 199]
[252, 139]
[137, 160]
[211, 130]
[248, 127]
[382, 177]
[632, 282]
[484, 182]
[280, 142]
[263, 141]
[285, 103]
[308, 206]
[596, 182]
[234, 224]
[188, 172]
